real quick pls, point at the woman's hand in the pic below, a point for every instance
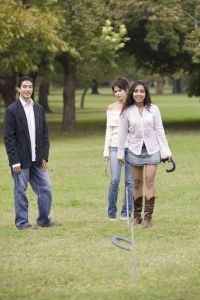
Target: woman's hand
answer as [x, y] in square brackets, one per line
[167, 158]
[121, 162]
[106, 158]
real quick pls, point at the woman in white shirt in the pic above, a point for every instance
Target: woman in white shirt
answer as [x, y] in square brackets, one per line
[141, 121]
[120, 89]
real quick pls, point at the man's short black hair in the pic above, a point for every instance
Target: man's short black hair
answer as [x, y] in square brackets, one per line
[24, 78]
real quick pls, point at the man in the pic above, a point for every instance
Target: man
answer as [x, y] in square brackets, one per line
[27, 145]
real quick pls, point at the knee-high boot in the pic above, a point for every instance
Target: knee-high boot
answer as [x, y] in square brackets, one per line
[148, 211]
[137, 210]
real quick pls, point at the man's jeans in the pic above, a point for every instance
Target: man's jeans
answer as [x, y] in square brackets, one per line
[115, 168]
[41, 185]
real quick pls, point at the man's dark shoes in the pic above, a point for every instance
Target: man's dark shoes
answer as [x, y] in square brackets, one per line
[28, 227]
[52, 224]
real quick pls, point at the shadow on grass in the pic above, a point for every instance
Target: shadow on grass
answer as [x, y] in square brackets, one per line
[186, 125]
[98, 127]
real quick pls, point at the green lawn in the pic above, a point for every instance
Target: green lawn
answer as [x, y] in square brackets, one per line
[77, 260]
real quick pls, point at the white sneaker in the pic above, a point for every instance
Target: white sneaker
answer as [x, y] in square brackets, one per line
[123, 218]
[113, 219]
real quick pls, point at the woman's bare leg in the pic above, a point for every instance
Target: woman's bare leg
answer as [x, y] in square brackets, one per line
[150, 173]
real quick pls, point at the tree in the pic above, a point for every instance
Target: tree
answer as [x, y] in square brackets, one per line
[106, 63]
[165, 39]
[93, 39]
[26, 37]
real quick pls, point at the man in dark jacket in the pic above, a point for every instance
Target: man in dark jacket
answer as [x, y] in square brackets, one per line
[27, 145]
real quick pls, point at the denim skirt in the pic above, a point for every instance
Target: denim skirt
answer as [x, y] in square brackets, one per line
[144, 158]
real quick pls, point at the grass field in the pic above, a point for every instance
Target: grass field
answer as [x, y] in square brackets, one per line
[77, 261]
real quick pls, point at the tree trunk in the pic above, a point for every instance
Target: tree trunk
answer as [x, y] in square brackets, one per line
[8, 89]
[33, 75]
[177, 86]
[83, 97]
[43, 95]
[159, 87]
[94, 87]
[68, 122]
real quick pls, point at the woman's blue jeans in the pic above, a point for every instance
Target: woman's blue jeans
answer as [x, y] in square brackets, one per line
[115, 168]
[41, 185]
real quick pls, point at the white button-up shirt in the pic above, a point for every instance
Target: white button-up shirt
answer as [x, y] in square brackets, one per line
[146, 128]
[30, 116]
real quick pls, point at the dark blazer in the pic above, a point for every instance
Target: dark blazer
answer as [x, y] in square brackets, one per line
[17, 139]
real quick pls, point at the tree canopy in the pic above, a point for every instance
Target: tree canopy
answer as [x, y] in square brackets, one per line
[28, 36]
[164, 37]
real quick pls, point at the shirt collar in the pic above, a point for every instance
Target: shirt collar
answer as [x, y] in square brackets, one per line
[24, 103]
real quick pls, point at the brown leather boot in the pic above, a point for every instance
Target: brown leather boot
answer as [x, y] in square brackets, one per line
[137, 211]
[148, 211]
